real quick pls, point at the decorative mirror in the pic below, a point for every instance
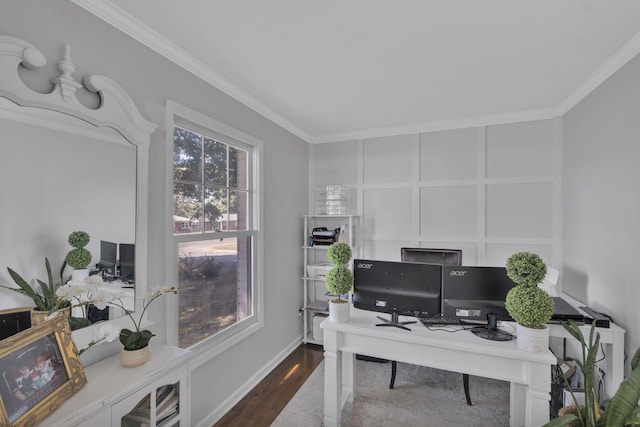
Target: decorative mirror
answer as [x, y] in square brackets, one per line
[68, 167]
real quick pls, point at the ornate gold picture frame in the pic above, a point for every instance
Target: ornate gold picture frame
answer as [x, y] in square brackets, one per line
[39, 369]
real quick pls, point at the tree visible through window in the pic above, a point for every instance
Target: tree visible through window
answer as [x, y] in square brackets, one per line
[211, 223]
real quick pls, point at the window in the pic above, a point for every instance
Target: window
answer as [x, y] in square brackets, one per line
[214, 228]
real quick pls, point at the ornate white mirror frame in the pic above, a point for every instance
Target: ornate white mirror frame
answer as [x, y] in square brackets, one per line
[115, 118]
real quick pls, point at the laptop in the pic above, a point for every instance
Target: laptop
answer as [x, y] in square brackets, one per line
[564, 311]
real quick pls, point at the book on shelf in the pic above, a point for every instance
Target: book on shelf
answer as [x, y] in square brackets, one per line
[135, 419]
[332, 296]
[164, 393]
[166, 420]
[171, 406]
[143, 408]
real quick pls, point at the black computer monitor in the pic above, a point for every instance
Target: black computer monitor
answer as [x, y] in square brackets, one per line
[432, 256]
[471, 293]
[13, 321]
[397, 288]
[127, 262]
[108, 258]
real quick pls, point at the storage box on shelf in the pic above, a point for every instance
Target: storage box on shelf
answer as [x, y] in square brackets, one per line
[316, 266]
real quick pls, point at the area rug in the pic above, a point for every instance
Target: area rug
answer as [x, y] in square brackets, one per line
[422, 397]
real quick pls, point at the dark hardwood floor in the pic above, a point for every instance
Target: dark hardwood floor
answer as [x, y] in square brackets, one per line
[263, 404]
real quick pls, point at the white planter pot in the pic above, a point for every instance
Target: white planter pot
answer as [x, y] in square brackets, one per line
[339, 311]
[79, 274]
[532, 340]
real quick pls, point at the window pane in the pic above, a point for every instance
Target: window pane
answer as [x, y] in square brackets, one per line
[187, 208]
[238, 210]
[215, 162]
[238, 168]
[187, 155]
[215, 287]
[216, 208]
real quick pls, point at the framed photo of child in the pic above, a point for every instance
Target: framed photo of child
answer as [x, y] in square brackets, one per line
[39, 369]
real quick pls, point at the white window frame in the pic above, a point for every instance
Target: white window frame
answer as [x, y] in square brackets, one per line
[178, 115]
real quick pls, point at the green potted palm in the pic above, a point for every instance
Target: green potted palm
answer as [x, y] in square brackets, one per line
[79, 257]
[45, 299]
[623, 409]
[339, 281]
[526, 303]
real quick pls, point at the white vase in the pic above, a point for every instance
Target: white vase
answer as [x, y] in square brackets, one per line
[533, 340]
[339, 311]
[79, 274]
[133, 358]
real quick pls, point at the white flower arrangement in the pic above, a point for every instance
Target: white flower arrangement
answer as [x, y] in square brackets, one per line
[106, 332]
[88, 293]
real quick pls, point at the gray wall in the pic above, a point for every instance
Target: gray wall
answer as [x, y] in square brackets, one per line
[489, 190]
[601, 192]
[150, 80]
[566, 188]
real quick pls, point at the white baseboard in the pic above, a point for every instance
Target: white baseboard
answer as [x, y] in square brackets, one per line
[241, 392]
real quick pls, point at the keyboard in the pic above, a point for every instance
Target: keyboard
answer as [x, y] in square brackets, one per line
[434, 321]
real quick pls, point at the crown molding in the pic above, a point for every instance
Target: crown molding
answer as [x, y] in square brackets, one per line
[116, 17]
[447, 124]
[108, 12]
[616, 61]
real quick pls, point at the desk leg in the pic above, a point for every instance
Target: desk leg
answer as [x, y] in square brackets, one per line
[517, 404]
[332, 388]
[529, 404]
[537, 412]
[348, 377]
[614, 364]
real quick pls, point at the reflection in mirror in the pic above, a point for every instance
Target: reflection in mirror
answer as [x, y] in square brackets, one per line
[54, 183]
[66, 167]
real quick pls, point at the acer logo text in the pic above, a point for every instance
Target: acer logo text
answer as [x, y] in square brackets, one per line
[457, 273]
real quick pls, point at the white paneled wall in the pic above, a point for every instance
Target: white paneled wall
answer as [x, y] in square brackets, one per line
[489, 191]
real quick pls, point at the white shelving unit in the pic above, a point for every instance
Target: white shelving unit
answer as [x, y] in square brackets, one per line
[315, 303]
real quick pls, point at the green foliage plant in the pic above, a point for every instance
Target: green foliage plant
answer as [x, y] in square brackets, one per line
[526, 268]
[526, 303]
[45, 299]
[622, 411]
[339, 279]
[79, 257]
[137, 338]
[339, 253]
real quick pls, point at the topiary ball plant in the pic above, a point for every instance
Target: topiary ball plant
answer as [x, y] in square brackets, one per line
[339, 281]
[526, 268]
[530, 306]
[79, 257]
[526, 303]
[339, 253]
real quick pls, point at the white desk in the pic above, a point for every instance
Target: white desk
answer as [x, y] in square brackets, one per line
[528, 373]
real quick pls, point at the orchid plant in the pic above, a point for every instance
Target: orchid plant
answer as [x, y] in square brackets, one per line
[107, 332]
[90, 292]
[135, 340]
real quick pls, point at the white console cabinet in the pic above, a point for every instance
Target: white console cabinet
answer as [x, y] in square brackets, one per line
[119, 396]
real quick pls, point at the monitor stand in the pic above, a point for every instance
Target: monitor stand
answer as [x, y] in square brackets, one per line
[491, 334]
[394, 322]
